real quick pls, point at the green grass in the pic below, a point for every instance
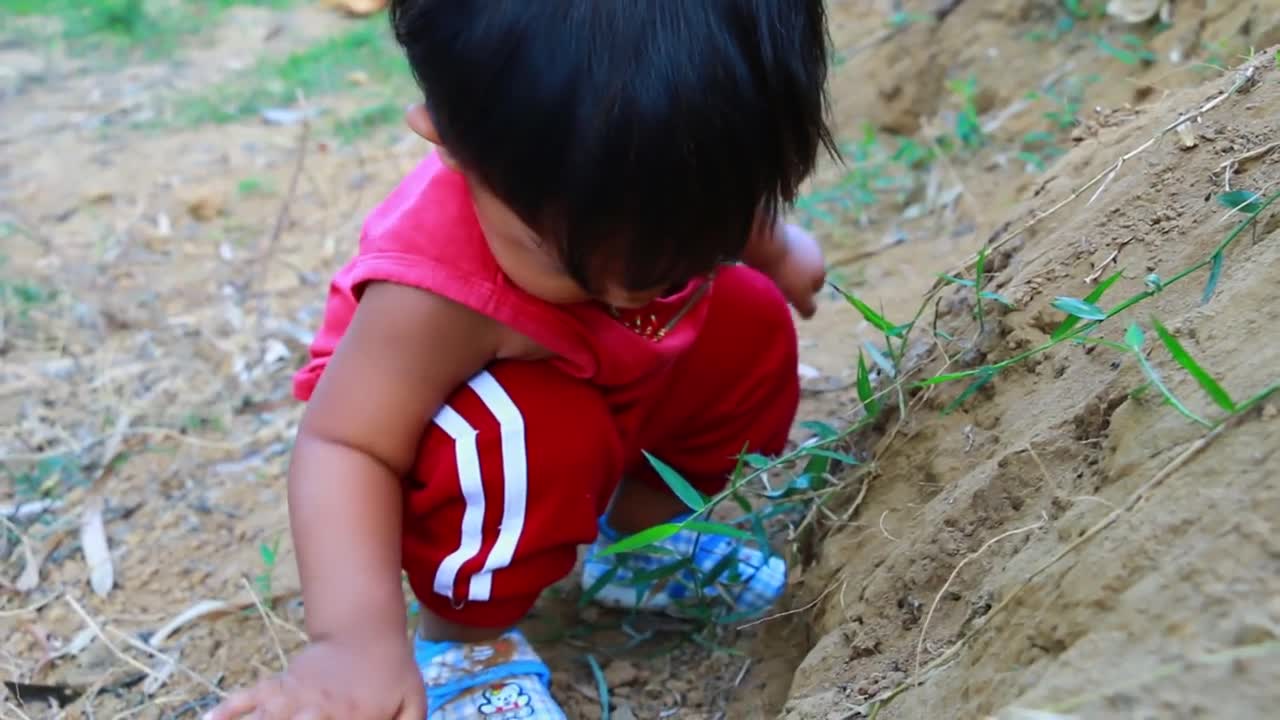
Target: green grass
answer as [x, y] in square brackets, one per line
[270, 555]
[815, 462]
[17, 295]
[150, 27]
[315, 71]
[364, 121]
[253, 186]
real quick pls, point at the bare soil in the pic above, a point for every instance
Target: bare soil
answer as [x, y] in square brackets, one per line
[155, 304]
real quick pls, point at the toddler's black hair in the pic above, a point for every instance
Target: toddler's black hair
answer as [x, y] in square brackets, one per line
[644, 136]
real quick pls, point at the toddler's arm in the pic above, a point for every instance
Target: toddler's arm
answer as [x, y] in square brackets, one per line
[402, 355]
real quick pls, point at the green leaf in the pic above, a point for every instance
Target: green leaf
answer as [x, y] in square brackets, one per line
[823, 430]
[651, 536]
[1245, 201]
[730, 559]
[596, 587]
[957, 281]
[602, 687]
[818, 466]
[1169, 397]
[871, 316]
[714, 528]
[845, 458]
[865, 393]
[1215, 273]
[756, 460]
[268, 554]
[881, 360]
[642, 580]
[681, 487]
[1134, 338]
[1094, 296]
[939, 379]
[978, 383]
[802, 484]
[1038, 137]
[987, 295]
[1207, 383]
[977, 283]
[1079, 308]
[1138, 54]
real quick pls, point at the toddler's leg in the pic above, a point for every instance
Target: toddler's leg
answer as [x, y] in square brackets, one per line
[737, 389]
[512, 475]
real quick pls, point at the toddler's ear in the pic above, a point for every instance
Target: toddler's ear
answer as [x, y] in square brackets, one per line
[419, 121]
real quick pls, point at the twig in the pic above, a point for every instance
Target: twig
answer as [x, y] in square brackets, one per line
[1133, 499]
[1230, 166]
[97, 630]
[282, 217]
[1102, 266]
[793, 611]
[1036, 456]
[882, 530]
[214, 609]
[1244, 78]
[262, 611]
[33, 607]
[978, 216]
[936, 598]
[17, 711]
[143, 647]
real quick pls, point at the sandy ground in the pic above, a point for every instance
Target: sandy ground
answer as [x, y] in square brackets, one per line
[1057, 544]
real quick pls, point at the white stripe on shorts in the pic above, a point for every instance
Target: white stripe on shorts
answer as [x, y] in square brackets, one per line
[515, 476]
[468, 460]
[515, 489]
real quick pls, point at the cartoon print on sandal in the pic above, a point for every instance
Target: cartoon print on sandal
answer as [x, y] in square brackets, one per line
[506, 701]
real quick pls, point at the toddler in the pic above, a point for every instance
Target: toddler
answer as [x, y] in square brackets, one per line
[589, 267]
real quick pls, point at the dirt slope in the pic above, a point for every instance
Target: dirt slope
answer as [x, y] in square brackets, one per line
[1173, 610]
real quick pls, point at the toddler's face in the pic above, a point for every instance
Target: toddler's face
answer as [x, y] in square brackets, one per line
[530, 262]
[534, 265]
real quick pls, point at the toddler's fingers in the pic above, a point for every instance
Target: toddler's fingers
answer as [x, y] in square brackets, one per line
[805, 305]
[237, 705]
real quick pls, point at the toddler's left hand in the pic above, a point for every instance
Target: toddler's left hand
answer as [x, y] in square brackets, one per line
[800, 272]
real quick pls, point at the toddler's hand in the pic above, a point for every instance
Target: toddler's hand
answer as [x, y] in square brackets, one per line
[336, 680]
[800, 272]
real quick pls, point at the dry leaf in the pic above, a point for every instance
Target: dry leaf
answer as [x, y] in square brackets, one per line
[160, 674]
[28, 510]
[199, 610]
[93, 541]
[205, 204]
[30, 577]
[78, 644]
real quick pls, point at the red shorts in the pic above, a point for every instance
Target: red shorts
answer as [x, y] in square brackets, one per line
[519, 465]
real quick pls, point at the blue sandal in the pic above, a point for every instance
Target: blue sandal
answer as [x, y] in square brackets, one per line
[688, 575]
[503, 679]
